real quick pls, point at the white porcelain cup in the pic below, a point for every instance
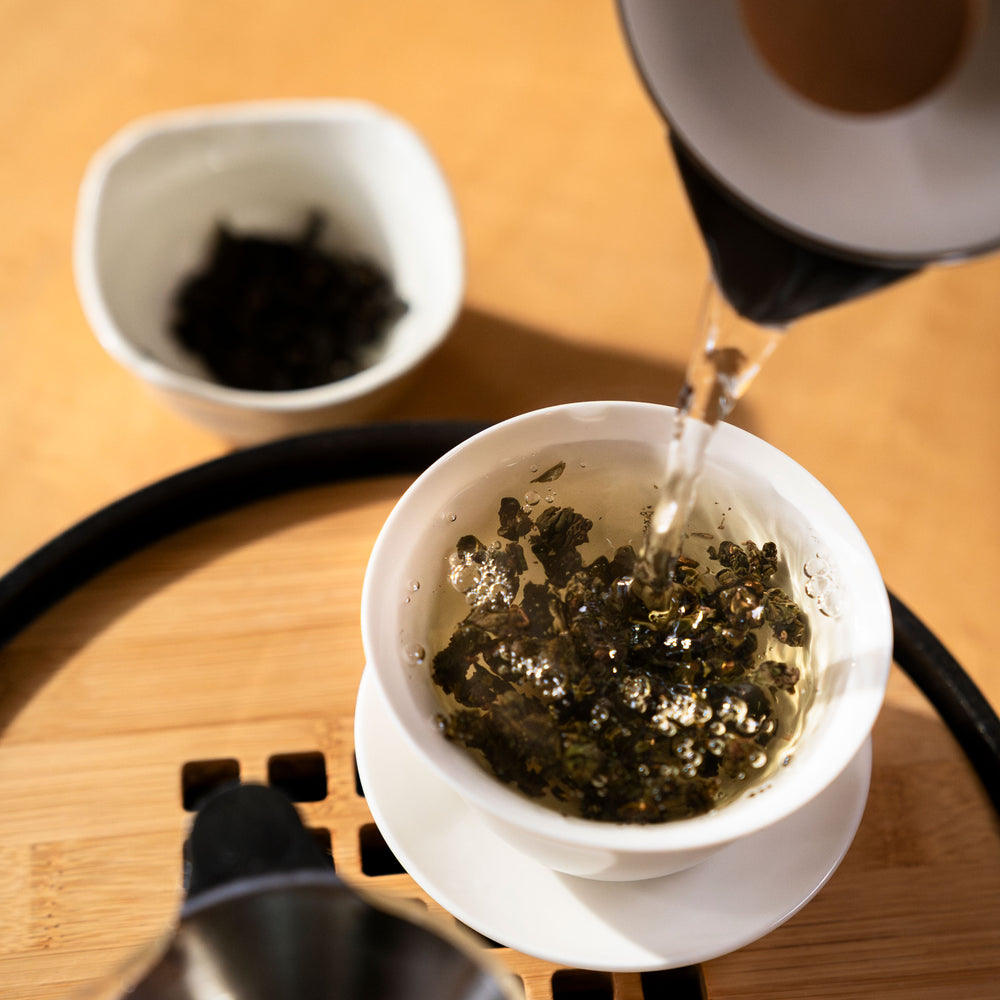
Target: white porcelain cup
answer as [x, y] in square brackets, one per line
[153, 196]
[749, 489]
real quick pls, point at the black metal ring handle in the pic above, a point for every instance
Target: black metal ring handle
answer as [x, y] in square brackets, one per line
[241, 477]
[951, 691]
[214, 487]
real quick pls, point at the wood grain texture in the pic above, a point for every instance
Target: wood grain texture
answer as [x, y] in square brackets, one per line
[239, 637]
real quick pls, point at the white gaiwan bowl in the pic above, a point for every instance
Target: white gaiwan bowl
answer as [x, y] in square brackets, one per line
[152, 196]
[761, 491]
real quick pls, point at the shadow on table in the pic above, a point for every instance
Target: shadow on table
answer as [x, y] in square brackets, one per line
[492, 368]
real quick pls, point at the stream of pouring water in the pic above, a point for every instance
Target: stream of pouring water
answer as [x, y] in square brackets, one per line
[731, 351]
[763, 281]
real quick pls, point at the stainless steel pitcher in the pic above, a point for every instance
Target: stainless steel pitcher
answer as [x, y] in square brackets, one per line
[266, 918]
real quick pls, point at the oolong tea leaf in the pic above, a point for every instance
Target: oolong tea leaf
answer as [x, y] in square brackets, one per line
[568, 687]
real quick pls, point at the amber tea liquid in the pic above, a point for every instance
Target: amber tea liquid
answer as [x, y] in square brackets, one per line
[695, 724]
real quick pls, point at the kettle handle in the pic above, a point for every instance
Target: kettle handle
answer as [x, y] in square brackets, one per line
[246, 830]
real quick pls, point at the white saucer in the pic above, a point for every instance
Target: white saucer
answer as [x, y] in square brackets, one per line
[734, 898]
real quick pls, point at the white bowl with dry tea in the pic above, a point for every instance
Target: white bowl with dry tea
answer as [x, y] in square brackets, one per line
[604, 730]
[269, 268]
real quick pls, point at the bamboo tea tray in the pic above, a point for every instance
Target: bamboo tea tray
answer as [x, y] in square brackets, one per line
[207, 628]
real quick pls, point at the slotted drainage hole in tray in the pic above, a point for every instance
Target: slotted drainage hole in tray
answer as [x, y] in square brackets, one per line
[303, 778]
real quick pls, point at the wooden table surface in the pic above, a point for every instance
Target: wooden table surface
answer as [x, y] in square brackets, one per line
[238, 639]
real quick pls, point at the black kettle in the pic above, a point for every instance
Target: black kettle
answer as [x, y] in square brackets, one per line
[802, 205]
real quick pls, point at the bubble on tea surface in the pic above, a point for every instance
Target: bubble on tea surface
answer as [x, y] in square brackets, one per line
[465, 577]
[483, 577]
[414, 652]
[635, 692]
[821, 586]
[831, 604]
[599, 714]
[816, 566]
[732, 709]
